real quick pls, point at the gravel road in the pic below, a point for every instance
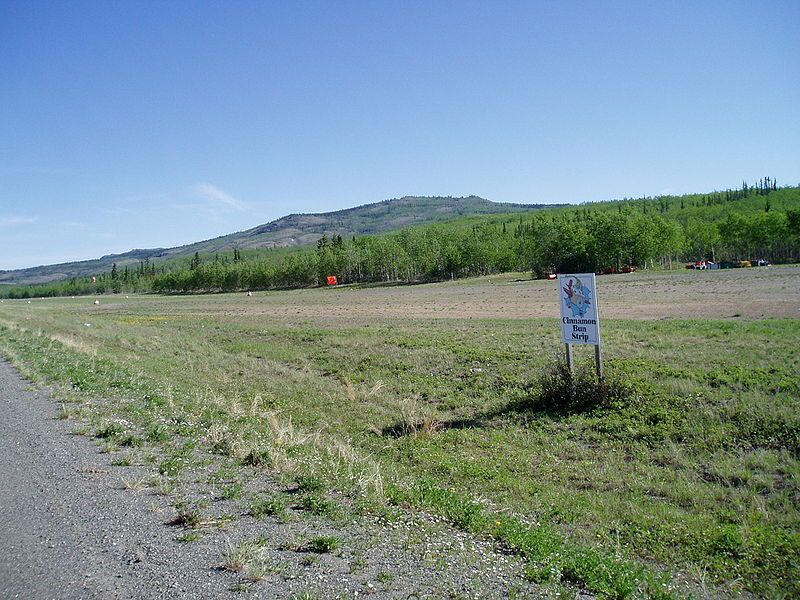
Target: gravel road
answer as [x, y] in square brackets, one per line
[70, 529]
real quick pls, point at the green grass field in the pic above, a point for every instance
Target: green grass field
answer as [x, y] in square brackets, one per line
[687, 483]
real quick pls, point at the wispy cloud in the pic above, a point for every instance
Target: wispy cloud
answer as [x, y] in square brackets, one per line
[14, 220]
[217, 196]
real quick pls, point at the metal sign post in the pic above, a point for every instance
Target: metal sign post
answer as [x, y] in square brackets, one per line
[598, 362]
[580, 321]
[568, 349]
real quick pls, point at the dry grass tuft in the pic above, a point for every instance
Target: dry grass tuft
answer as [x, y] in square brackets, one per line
[379, 385]
[350, 390]
[74, 343]
[416, 420]
[284, 433]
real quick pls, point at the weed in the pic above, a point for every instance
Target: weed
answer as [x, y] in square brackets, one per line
[164, 486]
[109, 447]
[257, 570]
[223, 475]
[310, 483]
[175, 462]
[65, 411]
[550, 558]
[157, 433]
[258, 458]
[109, 430]
[309, 560]
[218, 437]
[122, 461]
[384, 577]
[350, 390]
[170, 466]
[247, 556]
[324, 544]
[135, 484]
[358, 563]
[318, 505]
[414, 420]
[189, 536]
[130, 441]
[232, 492]
[295, 543]
[236, 557]
[274, 505]
[187, 515]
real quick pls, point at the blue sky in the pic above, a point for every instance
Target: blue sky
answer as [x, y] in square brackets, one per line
[139, 124]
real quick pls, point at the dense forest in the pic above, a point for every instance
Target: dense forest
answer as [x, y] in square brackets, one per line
[749, 223]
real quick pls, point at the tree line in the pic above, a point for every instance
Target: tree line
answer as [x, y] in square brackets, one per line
[643, 233]
[540, 244]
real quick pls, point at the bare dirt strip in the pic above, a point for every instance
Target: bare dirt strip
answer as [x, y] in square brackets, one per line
[755, 293]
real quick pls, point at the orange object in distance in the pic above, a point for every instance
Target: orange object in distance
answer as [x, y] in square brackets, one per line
[332, 280]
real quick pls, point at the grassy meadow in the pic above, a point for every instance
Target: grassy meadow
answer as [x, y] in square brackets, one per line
[685, 483]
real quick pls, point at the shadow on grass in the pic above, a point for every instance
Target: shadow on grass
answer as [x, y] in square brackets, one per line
[404, 428]
[559, 393]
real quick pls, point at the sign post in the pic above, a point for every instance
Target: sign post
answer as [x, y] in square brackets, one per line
[580, 322]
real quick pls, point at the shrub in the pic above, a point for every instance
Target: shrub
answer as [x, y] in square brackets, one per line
[562, 391]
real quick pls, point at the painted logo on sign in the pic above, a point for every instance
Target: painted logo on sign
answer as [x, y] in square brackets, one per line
[577, 297]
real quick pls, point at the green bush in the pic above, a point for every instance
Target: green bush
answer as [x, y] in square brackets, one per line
[563, 391]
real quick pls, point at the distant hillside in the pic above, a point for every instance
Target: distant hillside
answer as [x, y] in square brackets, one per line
[288, 231]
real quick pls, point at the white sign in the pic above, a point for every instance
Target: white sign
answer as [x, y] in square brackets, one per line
[580, 323]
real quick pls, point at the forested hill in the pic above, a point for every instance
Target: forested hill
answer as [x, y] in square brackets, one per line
[730, 228]
[286, 232]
